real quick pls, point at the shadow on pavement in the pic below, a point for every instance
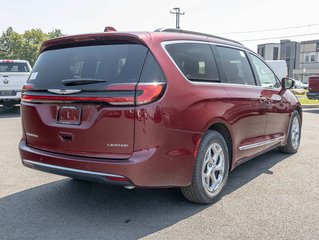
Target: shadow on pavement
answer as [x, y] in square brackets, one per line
[10, 113]
[70, 209]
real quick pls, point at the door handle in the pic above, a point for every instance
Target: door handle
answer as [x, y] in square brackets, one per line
[269, 100]
[265, 100]
[262, 99]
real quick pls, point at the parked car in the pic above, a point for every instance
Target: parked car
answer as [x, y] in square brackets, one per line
[300, 85]
[13, 75]
[313, 87]
[170, 108]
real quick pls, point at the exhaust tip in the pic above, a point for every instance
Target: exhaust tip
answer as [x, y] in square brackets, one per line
[129, 187]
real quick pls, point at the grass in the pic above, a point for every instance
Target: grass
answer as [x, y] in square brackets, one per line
[305, 101]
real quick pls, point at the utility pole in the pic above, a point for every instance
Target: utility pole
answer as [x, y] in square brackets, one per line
[177, 12]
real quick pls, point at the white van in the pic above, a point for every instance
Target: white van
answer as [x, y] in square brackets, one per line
[13, 75]
[279, 67]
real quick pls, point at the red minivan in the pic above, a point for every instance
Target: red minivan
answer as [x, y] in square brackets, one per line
[169, 108]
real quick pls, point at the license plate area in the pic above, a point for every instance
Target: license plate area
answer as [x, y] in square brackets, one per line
[7, 93]
[69, 115]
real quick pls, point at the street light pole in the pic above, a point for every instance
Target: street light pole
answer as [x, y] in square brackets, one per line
[177, 12]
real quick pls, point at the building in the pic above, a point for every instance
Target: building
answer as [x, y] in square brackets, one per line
[309, 60]
[285, 50]
[269, 51]
[289, 51]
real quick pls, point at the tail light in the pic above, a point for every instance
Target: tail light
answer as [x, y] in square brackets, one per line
[145, 93]
[149, 92]
[111, 100]
[27, 86]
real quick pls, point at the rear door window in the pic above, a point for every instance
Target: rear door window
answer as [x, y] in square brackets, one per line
[13, 67]
[195, 60]
[236, 66]
[114, 63]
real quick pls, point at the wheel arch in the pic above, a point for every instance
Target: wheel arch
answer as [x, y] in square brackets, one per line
[224, 130]
[298, 108]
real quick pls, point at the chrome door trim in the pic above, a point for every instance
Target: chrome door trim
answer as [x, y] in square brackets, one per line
[260, 144]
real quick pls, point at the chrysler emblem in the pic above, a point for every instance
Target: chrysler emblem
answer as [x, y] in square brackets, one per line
[5, 81]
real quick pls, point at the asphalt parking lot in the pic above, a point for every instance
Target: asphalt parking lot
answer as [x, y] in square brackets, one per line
[274, 196]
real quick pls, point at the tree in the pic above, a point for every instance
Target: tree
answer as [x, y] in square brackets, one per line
[55, 33]
[32, 41]
[11, 44]
[24, 46]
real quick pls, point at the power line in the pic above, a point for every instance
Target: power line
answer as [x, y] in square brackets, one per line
[273, 29]
[259, 39]
[218, 4]
[213, 6]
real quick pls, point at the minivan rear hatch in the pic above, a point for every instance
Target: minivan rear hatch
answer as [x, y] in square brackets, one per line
[79, 99]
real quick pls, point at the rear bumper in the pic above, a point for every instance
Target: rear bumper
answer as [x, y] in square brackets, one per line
[313, 95]
[143, 169]
[16, 96]
[76, 173]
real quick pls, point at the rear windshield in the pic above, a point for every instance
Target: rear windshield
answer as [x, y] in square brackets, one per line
[13, 67]
[109, 64]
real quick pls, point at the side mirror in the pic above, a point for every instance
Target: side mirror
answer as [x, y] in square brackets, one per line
[287, 83]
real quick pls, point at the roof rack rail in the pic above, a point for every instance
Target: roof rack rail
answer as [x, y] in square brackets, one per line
[176, 30]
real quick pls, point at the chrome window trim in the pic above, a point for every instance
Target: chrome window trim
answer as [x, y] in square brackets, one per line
[163, 44]
[71, 170]
[260, 144]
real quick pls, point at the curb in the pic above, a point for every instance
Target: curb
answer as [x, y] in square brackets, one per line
[305, 106]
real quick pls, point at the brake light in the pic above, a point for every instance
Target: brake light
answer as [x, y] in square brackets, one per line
[109, 29]
[7, 61]
[145, 93]
[27, 87]
[112, 100]
[149, 92]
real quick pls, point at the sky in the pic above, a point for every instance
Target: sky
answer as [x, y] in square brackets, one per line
[219, 17]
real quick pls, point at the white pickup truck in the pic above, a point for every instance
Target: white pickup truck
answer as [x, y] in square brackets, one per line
[13, 75]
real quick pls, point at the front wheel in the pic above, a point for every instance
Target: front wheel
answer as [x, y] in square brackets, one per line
[293, 140]
[211, 170]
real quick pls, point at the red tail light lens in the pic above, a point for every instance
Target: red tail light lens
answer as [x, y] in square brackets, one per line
[111, 100]
[27, 87]
[145, 93]
[149, 92]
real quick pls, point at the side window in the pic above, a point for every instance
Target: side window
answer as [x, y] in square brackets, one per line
[266, 76]
[236, 66]
[195, 60]
[152, 72]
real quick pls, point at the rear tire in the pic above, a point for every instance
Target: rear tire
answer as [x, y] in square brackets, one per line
[210, 171]
[294, 134]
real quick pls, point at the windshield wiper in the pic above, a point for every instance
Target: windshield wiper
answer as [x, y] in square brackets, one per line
[81, 81]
